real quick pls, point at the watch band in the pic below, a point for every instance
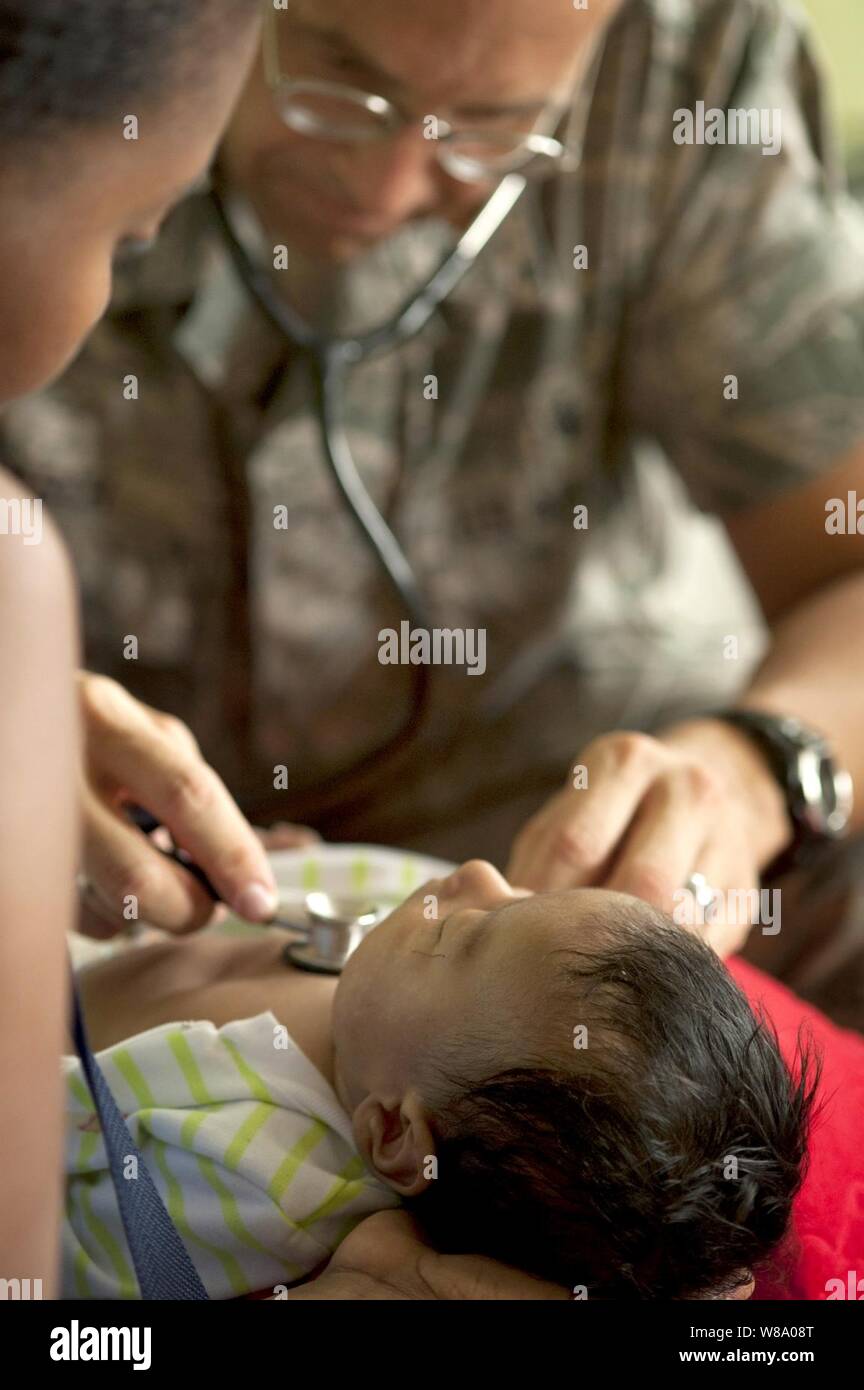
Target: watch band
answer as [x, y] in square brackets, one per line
[798, 755]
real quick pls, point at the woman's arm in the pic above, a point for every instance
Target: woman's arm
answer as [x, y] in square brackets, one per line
[38, 799]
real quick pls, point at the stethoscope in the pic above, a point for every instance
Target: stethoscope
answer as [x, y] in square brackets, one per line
[334, 927]
[329, 360]
[331, 925]
[331, 357]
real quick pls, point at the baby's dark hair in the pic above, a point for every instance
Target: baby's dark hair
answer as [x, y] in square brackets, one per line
[660, 1161]
[64, 63]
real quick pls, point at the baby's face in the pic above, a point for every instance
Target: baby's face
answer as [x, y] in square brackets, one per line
[468, 959]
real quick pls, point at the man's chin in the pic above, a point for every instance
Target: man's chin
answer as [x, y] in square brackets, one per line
[330, 248]
[343, 249]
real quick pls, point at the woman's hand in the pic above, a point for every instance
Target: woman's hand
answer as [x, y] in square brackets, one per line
[135, 754]
[640, 814]
[385, 1257]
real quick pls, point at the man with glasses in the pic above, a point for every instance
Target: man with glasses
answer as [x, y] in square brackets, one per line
[661, 334]
[334, 111]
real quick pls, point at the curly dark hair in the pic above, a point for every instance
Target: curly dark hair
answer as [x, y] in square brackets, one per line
[70, 62]
[661, 1162]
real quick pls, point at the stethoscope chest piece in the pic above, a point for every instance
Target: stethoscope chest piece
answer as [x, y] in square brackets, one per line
[336, 924]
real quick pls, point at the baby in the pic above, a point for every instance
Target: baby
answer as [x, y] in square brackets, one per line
[567, 1082]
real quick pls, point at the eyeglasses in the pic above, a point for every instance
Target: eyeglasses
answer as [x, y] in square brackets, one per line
[335, 111]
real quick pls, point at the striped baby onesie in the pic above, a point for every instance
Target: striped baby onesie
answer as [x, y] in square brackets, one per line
[247, 1142]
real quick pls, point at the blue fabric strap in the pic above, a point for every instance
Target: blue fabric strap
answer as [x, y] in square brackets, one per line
[161, 1260]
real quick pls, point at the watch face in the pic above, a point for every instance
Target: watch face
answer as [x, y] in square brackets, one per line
[839, 817]
[826, 792]
[819, 794]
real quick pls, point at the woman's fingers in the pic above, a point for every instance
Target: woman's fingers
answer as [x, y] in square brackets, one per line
[152, 760]
[129, 880]
[97, 919]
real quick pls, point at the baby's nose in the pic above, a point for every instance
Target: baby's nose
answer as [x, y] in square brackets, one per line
[480, 879]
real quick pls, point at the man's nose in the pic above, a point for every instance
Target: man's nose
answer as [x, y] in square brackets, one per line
[399, 177]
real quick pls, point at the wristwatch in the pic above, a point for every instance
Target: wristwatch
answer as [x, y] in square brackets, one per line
[818, 792]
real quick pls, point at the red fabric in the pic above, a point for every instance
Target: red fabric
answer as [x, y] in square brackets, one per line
[827, 1239]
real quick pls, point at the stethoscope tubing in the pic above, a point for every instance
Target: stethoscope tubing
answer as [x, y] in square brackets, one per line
[329, 360]
[414, 313]
[331, 357]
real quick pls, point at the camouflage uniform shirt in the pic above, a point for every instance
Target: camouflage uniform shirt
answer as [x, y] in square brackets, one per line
[706, 358]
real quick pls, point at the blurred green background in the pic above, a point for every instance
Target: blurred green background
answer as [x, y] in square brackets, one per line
[839, 25]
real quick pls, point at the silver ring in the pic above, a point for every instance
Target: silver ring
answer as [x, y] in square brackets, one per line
[702, 891]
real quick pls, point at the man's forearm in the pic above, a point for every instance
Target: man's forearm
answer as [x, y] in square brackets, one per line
[815, 671]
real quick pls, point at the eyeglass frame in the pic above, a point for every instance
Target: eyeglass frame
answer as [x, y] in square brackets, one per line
[554, 154]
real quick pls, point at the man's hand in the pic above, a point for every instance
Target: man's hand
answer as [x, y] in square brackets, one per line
[640, 814]
[135, 754]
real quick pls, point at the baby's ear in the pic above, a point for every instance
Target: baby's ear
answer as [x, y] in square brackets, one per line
[396, 1143]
